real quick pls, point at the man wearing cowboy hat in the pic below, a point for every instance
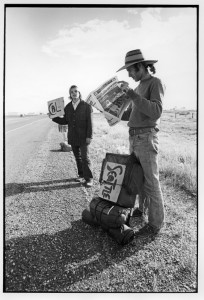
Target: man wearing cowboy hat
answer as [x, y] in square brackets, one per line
[144, 114]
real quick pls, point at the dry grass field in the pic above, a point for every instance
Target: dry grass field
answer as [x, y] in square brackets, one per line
[178, 155]
[178, 147]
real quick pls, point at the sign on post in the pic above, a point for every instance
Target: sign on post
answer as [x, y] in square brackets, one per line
[56, 107]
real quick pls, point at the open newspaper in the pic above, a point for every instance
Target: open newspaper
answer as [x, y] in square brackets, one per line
[110, 100]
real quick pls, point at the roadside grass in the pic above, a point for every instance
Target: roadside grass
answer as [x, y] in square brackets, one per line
[179, 169]
[177, 157]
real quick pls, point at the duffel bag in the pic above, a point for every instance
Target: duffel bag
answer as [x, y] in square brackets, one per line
[122, 235]
[108, 214]
[121, 179]
[88, 218]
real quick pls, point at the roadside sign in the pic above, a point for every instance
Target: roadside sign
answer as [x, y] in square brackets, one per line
[56, 107]
[112, 179]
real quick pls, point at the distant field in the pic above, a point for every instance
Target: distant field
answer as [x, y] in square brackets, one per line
[178, 151]
[178, 155]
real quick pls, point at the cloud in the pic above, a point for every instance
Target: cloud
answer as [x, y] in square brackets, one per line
[99, 44]
[98, 38]
[91, 39]
[151, 10]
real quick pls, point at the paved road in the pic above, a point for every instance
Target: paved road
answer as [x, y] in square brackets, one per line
[43, 207]
[22, 137]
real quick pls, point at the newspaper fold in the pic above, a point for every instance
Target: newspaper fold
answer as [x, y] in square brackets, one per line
[109, 99]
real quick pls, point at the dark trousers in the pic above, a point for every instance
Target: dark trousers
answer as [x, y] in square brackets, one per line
[81, 154]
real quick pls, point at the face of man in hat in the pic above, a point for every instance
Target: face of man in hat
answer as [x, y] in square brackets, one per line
[136, 72]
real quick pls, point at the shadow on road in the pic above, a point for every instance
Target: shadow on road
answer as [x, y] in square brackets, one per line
[60, 150]
[55, 262]
[12, 189]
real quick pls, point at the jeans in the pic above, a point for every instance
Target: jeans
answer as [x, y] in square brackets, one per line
[145, 146]
[83, 161]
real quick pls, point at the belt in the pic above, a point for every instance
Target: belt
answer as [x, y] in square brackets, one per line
[134, 131]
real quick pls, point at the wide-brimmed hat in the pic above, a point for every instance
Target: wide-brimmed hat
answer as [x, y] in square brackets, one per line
[134, 57]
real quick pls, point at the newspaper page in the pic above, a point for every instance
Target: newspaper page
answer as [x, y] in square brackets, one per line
[92, 100]
[109, 99]
[56, 107]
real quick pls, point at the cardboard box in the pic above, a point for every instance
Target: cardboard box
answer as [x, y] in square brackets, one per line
[56, 107]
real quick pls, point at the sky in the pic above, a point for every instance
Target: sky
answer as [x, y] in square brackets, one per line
[49, 49]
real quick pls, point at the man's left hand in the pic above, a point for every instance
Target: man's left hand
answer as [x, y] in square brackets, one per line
[88, 141]
[124, 86]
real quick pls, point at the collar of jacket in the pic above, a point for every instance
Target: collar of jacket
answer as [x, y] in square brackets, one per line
[76, 103]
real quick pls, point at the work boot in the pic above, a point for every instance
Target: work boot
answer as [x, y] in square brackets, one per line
[79, 179]
[146, 231]
[89, 182]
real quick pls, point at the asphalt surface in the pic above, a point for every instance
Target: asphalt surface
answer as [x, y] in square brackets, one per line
[42, 201]
[23, 136]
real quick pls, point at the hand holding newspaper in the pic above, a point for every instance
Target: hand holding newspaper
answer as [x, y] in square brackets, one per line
[110, 100]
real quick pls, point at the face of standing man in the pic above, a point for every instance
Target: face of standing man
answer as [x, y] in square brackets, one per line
[74, 94]
[137, 72]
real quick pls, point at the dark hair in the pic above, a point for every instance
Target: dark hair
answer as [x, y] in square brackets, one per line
[151, 68]
[148, 68]
[71, 87]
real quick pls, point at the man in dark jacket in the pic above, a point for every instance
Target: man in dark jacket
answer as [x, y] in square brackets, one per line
[78, 116]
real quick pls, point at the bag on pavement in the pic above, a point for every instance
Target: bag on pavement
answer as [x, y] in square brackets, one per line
[122, 235]
[89, 219]
[107, 214]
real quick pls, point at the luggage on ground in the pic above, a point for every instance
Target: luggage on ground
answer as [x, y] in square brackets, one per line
[88, 218]
[108, 214]
[122, 235]
[121, 179]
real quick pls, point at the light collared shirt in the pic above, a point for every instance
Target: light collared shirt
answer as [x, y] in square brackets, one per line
[75, 104]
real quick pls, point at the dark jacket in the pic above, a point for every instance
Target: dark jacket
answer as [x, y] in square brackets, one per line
[79, 122]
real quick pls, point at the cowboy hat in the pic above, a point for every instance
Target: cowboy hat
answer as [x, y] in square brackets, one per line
[134, 57]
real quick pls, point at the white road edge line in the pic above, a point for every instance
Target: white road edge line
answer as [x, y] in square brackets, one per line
[23, 126]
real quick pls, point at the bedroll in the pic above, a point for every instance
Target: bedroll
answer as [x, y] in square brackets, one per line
[122, 235]
[108, 214]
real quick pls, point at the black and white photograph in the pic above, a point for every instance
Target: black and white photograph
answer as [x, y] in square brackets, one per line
[96, 202]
